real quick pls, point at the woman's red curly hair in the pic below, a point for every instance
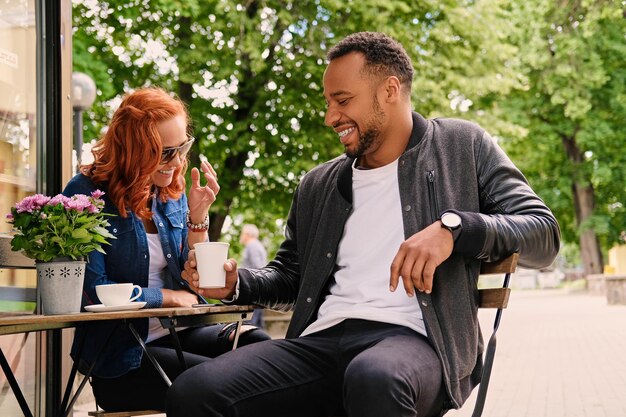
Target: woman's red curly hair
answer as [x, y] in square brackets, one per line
[130, 151]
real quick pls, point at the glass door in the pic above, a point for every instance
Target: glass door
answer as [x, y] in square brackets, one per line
[18, 157]
[18, 160]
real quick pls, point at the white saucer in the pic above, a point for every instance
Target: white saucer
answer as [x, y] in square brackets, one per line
[100, 308]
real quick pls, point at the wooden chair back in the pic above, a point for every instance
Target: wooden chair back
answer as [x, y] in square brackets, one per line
[497, 297]
[493, 298]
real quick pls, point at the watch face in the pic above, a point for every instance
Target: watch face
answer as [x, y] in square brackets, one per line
[451, 220]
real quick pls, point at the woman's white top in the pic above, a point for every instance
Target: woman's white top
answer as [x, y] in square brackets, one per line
[155, 280]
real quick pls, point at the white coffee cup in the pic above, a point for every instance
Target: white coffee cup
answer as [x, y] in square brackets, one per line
[117, 294]
[210, 258]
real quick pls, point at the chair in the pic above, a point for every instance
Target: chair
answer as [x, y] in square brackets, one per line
[489, 298]
[101, 413]
[493, 298]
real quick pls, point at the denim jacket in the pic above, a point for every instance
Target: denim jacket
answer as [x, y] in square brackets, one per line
[127, 260]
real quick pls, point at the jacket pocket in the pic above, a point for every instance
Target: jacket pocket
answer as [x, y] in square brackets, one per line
[120, 225]
[124, 250]
[176, 221]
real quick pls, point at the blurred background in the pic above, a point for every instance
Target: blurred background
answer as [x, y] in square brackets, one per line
[546, 78]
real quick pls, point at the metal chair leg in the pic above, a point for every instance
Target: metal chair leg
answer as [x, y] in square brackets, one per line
[8, 372]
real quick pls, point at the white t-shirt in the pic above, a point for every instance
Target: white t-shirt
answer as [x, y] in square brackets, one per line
[371, 239]
[155, 280]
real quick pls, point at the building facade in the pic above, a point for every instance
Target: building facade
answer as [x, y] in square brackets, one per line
[35, 157]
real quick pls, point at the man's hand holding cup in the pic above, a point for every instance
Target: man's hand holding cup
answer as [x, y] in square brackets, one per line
[216, 276]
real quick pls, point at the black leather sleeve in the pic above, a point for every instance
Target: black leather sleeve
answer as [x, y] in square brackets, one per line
[512, 217]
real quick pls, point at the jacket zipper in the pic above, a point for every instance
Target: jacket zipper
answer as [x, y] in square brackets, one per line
[432, 196]
[434, 213]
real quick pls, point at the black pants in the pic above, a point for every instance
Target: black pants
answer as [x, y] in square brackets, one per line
[257, 318]
[144, 389]
[362, 368]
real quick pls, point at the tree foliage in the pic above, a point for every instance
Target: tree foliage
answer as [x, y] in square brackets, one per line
[571, 107]
[251, 71]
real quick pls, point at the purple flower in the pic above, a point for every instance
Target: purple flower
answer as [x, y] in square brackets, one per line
[58, 199]
[31, 203]
[46, 227]
[97, 194]
[78, 202]
[93, 209]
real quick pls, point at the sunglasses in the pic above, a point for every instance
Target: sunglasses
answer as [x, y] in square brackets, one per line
[169, 154]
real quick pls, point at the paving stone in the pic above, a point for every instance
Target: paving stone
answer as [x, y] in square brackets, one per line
[558, 354]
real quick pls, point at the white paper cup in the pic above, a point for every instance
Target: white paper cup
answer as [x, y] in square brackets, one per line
[117, 294]
[210, 258]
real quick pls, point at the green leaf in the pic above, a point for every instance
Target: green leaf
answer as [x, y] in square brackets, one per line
[535, 72]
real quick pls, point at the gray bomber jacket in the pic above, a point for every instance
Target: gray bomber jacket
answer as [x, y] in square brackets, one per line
[448, 164]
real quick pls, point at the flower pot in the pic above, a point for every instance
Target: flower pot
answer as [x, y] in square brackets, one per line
[60, 286]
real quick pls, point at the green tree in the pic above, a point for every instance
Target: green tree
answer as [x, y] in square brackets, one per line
[571, 109]
[251, 73]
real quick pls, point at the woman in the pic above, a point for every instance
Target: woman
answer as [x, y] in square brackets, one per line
[140, 163]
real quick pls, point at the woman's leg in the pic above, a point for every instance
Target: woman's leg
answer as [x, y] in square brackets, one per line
[147, 386]
[212, 341]
[142, 388]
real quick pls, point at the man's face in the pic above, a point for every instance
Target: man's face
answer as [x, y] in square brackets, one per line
[354, 111]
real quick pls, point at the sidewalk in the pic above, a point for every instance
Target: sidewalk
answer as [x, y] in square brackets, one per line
[559, 354]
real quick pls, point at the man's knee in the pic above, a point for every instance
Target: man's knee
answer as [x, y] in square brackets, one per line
[191, 395]
[368, 378]
[372, 387]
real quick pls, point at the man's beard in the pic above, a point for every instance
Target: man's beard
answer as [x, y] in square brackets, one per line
[371, 133]
[365, 141]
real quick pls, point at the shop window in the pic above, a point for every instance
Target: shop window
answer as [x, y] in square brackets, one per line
[18, 108]
[17, 135]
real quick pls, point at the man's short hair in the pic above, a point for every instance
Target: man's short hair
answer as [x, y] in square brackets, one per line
[384, 56]
[250, 230]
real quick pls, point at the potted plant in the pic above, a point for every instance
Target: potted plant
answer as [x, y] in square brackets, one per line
[58, 233]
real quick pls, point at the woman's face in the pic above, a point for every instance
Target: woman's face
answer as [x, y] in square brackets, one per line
[173, 134]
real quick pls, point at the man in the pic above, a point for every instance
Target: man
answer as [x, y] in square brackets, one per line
[254, 256]
[380, 260]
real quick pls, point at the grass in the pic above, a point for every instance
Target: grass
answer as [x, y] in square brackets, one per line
[16, 306]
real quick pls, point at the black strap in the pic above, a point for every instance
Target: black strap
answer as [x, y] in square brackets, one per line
[488, 361]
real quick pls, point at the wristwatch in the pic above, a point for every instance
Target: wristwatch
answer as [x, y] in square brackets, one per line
[452, 221]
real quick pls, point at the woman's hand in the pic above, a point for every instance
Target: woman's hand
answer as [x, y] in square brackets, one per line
[201, 197]
[178, 298]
